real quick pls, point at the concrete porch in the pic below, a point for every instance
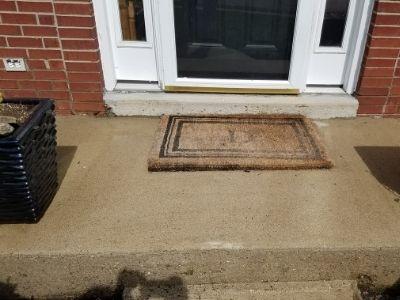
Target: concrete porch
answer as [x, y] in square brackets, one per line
[111, 215]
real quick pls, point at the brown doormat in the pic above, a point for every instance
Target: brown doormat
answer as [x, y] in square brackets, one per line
[241, 142]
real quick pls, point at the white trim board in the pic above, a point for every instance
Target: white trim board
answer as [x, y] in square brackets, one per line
[104, 38]
[357, 47]
[316, 106]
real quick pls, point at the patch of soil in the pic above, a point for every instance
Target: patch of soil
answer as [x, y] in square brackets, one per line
[19, 111]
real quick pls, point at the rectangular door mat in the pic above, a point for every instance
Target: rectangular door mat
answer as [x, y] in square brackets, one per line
[241, 142]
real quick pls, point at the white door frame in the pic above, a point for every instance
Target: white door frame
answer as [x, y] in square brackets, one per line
[357, 44]
[359, 37]
[297, 73]
[104, 38]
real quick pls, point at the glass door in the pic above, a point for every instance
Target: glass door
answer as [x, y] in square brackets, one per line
[234, 39]
[235, 43]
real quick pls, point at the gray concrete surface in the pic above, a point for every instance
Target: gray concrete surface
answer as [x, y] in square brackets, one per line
[335, 290]
[110, 214]
[320, 106]
[331, 290]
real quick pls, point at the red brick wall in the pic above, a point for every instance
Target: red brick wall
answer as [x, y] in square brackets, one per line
[58, 40]
[379, 86]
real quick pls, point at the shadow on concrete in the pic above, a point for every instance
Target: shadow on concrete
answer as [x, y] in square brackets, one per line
[129, 283]
[65, 155]
[384, 164]
[393, 291]
[133, 282]
[368, 290]
[7, 291]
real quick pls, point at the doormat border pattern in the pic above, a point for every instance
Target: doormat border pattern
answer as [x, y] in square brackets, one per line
[164, 157]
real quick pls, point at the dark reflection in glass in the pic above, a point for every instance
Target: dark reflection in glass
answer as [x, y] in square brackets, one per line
[334, 23]
[132, 20]
[234, 39]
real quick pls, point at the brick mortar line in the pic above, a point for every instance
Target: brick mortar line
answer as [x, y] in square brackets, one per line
[77, 27]
[74, 15]
[397, 65]
[386, 37]
[50, 49]
[81, 50]
[13, 12]
[370, 35]
[78, 39]
[387, 26]
[373, 24]
[45, 37]
[382, 13]
[70, 102]
[83, 61]
[386, 58]
[29, 48]
[81, 2]
[382, 47]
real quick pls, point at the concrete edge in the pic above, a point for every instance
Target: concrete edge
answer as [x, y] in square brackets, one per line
[316, 106]
[66, 274]
[338, 289]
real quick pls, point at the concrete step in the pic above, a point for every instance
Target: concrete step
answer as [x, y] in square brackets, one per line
[317, 290]
[316, 106]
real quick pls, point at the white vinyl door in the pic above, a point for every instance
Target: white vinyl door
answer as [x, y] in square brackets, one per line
[332, 34]
[235, 43]
[132, 39]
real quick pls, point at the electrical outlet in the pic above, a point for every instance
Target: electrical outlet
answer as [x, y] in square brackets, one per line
[14, 64]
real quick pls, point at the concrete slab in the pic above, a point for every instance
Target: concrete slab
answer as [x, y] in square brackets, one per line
[331, 290]
[335, 290]
[110, 214]
[318, 106]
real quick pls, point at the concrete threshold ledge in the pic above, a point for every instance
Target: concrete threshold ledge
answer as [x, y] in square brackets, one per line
[315, 106]
[44, 275]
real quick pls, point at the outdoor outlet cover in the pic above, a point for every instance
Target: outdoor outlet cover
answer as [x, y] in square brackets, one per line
[14, 64]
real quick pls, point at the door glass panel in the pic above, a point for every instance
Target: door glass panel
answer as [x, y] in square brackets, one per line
[132, 20]
[234, 39]
[334, 24]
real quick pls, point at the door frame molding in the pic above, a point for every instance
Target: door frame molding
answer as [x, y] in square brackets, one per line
[353, 64]
[298, 64]
[157, 40]
[104, 39]
[358, 41]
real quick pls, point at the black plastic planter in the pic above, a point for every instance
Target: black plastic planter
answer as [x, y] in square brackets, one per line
[28, 166]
